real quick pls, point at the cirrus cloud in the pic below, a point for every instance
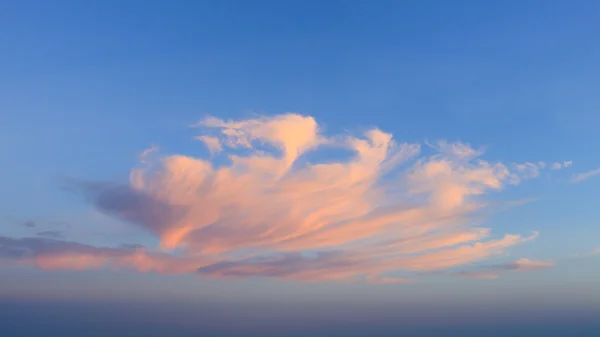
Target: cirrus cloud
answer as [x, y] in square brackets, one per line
[59, 254]
[525, 264]
[491, 271]
[260, 207]
[577, 178]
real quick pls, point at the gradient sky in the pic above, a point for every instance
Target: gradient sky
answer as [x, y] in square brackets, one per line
[349, 161]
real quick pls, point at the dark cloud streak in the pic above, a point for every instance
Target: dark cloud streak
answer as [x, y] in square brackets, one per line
[126, 203]
[52, 234]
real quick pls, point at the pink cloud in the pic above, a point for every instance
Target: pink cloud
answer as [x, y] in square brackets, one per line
[463, 254]
[139, 261]
[212, 143]
[65, 255]
[269, 211]
[524, 264]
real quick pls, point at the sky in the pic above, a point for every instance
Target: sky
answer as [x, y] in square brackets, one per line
[299, 167]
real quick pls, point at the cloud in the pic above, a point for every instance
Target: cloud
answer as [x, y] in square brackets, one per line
[532, 170]
[491, 271]
[53, 234]
[322, 266]
[273, 210]
[524, 264]
[144, 157]
[58, 254]
[558, 166]
[29, 224]
[585, 176]
[212, 143]
[476, 275]
[595, 251]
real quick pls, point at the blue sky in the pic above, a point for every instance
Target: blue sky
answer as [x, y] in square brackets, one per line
[86, 87]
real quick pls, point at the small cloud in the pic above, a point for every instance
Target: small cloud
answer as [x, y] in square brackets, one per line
[144, 156]
[517, 203]
[212, 143]
[29, 224]
[528, 170]
[457, 150]
[585, 176]
[558, 166]
[50, 234]
[524, 264]
[595, 251]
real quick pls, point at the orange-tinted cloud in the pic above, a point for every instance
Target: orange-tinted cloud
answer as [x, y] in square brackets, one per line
[212, 143]
[59, 254]
[265, 205]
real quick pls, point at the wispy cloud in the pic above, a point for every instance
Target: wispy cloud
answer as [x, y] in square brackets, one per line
[558, 166]
[524, 264]
[493, 271]
[271, 212]
[585, 176]
[58, 254]
[29, 224]
[212, 143]
[595, 251]
[144, 157]
[532, 170]
[52, 234]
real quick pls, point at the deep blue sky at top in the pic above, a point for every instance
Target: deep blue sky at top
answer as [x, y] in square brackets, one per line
[496, 73]
[86, 85]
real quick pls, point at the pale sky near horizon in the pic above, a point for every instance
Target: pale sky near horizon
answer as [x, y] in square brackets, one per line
[387, 152]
